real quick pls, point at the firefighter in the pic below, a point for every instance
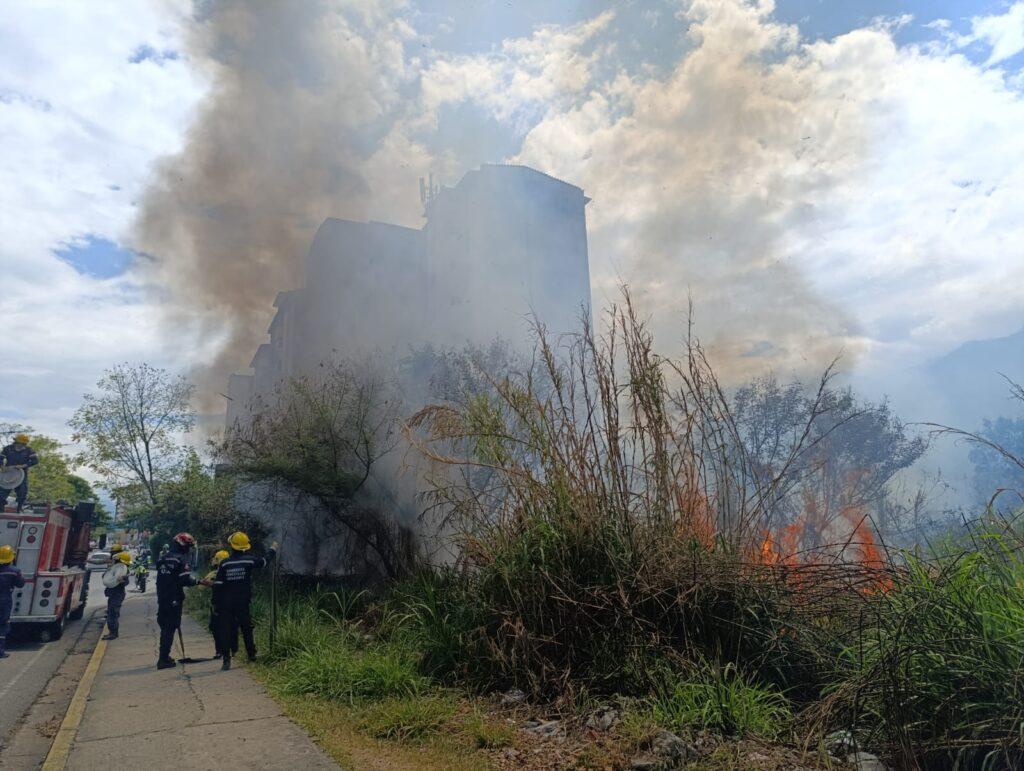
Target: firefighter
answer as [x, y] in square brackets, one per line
[115, 579]
[172, 576]
[215, 630]
[10, 579]
[19, 455]
[233, 588]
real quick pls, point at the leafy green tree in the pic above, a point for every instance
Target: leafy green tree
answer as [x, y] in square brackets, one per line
[131, 428]
[49, 480]
[198, 501]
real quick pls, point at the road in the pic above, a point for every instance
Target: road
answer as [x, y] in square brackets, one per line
[25, 674]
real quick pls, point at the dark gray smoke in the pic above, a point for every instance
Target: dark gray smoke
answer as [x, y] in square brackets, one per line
[300, 98]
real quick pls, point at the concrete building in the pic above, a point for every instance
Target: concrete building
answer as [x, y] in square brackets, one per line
[507, 244]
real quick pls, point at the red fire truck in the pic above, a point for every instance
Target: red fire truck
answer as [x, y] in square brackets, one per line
[51, 544]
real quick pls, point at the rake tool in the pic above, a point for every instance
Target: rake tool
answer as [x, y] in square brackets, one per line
[188, 659]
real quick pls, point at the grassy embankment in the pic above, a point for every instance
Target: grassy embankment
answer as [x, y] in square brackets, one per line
[930, 673]
[613, 553]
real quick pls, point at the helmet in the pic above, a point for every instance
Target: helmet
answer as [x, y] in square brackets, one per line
[6, 555]
[21, 438]
[219, 557]
[115, 549]
[184, 539]
[125, 557]
[239, 541]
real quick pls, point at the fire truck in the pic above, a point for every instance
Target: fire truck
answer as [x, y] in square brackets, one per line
[51, 542]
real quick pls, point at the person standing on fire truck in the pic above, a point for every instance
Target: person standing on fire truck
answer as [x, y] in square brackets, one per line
[173, 574]
[10, 579]
[19, 455]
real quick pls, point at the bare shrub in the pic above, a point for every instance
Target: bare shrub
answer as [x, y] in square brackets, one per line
[320, 437]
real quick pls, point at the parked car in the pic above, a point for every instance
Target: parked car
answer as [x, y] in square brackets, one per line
[98, 560]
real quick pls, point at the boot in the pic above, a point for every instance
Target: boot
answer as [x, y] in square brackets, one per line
[110, 636]
[166, 664]
[3, 648]
[226, 664]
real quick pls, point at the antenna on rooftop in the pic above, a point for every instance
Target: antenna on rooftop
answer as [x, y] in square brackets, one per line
[428, 189]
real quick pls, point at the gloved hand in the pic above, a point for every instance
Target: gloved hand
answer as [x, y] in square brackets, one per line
[274, 546]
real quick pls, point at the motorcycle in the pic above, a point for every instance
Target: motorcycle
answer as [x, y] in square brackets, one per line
[141, 574]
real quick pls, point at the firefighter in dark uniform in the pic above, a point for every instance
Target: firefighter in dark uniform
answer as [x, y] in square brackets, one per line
[173, 574]
[233, 588]
[19, 455]
[215, 603]
[10, 579]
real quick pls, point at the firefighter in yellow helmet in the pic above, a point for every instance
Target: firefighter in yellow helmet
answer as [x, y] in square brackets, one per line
[215, 620]
[19, 455]
[115, 579]
[233, 589]
[10, 579]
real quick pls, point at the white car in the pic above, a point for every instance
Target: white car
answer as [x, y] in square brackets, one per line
[98, 560]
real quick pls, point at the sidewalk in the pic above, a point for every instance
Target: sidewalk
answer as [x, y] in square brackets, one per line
[191, 717]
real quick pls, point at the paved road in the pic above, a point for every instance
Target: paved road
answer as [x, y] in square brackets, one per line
[31, 664]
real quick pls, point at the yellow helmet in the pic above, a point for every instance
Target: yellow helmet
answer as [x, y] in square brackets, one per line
[115, 549]
[239, 541]
[124, 556]
[219, 557]
[6, 555]
[21, 438]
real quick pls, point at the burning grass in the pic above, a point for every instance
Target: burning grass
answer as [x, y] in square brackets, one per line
[620, 541]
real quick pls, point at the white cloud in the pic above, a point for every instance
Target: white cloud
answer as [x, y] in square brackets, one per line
[1004, 33]
[80, 125]
[848, 193]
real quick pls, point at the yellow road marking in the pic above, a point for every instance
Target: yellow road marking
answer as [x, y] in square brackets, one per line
[60, 750]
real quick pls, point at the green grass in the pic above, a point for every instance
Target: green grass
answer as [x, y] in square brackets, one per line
[939, 674]
[488, 733]
[719, 700]
[931, 672]
[336, 669]
[407, 719]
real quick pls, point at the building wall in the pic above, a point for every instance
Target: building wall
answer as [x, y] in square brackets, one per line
[507, 244]
[503, 245]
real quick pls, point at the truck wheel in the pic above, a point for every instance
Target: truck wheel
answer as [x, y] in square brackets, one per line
[78, 612]
[53, 631]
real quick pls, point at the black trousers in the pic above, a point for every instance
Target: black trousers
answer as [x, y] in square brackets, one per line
[218, 634]
[114, 601]
[20, 493]
[168, 617]
[235, 619]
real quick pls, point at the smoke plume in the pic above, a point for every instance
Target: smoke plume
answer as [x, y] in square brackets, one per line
[302, 99]
[705, 175]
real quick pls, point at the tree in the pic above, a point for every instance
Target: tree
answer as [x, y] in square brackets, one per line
[997, 452]
[837, 453]
[321, 436]
[50, 478]
[198, 501]
[995, 470]
[131, 428]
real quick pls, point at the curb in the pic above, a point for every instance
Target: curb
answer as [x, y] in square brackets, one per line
[60, 750]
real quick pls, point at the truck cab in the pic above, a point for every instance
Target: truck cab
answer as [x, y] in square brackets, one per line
[51, 542]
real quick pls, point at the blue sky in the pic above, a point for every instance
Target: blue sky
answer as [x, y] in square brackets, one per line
[862, 160]
[96, 257]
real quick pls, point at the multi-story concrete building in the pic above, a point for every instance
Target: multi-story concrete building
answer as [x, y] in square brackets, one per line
[505, 246]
